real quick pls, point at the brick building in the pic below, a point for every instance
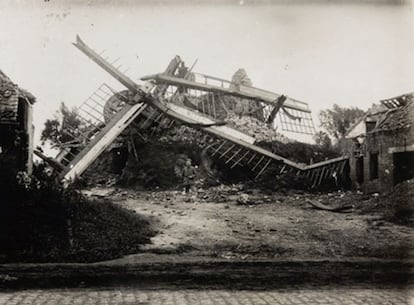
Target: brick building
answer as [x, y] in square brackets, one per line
[380, 145]
[16, 128]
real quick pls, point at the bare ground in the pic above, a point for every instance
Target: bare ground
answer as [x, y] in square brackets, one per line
[270, 225]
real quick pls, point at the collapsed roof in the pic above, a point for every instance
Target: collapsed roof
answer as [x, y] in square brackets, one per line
[9, 98]
[390, 115]
[397, 116]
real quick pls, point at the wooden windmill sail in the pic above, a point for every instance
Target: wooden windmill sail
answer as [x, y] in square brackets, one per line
[293, 115]
[150, 104]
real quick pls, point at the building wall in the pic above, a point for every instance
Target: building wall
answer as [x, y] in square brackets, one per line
[29, 127]
[358, 129]
[378, 143]
[9, 101]
[384, 144]
[16, 126]
[16, 141]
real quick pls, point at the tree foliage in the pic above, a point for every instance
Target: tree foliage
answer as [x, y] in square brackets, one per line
[322, 139]
[64, 127]
[336, 121]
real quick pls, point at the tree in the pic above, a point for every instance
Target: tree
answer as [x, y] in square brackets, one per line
[322, 139]
[63, 128]
[336, 121]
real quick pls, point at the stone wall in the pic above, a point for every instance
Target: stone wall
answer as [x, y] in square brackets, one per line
[382, 143]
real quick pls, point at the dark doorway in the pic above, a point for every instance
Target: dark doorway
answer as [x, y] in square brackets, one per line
[373, 166]
[119, 159]
[403, 166]
[359, 168]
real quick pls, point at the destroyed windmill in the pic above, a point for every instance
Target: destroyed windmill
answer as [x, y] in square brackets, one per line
[167, 98]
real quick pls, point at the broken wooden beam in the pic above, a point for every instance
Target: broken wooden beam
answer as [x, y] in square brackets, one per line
[337, 208]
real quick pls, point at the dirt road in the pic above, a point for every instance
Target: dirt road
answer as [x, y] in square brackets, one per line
[271, 225]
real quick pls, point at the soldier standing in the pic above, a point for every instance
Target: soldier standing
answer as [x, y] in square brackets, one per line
[189, 175]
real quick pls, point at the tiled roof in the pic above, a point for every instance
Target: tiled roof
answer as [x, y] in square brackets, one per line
[8, 88]
[9, 98]
[399, 117]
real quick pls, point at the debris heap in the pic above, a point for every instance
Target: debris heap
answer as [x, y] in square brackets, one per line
[256, 128]
[153, 155]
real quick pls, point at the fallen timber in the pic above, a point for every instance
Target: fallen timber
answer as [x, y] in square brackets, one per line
[336, 208]
[149, 107]
[241, 91]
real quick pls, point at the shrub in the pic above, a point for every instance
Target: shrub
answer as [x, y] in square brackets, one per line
[40, 221]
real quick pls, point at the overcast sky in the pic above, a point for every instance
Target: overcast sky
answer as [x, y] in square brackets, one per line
[352, 53]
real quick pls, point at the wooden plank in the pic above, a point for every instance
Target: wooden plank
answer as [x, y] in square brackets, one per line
[316, 177]
[235, 154]
[279, 103]
[171, 124]
[312, 176]
[51, 161]
[318, 164]
[336, 208]
[241, 158]
[341, 170]
[191, 117]
[201, 119]
[257, 164]
[229, 149]
[328, 171]
[263, 168]
[30, 136]
[242, 91]
[149, 117]
[325, 171]
[321, 175]
[214, 106]
[165, 122]
[108, 67]
[156, 120]
[251, 159]
[102, 141]
[222, 144]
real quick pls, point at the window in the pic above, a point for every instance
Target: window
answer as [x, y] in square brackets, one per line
[370, 125]
[403, 166]
[373, 166]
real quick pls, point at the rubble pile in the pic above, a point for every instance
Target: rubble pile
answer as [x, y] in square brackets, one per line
[220, 193]
[156, 158]
[259, 130]
[219, 106]
[184, 135]
[153, 157]
[244, 106]
[395, 206]
[102, 172]
[155, 166]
